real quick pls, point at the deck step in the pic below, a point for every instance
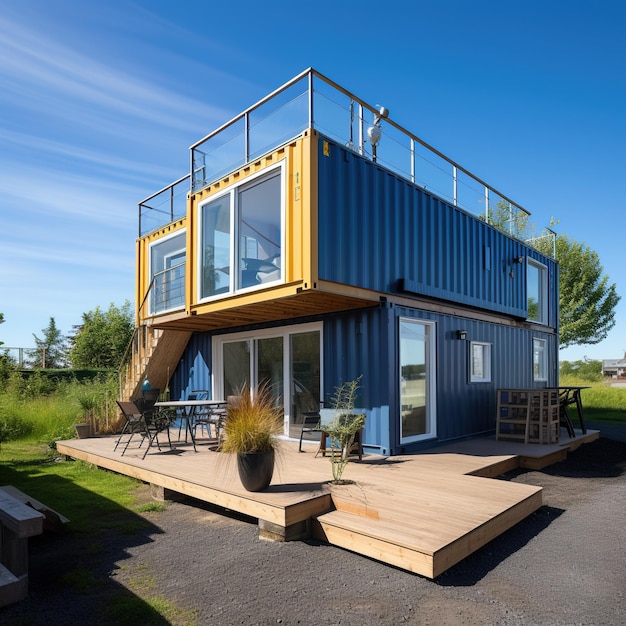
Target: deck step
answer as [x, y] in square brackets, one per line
[384, 541]
[420, 538]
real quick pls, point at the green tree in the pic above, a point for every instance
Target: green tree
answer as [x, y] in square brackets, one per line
[51, 351]
[103, 336]
[7, 363]
[510, 219]
[587, 300]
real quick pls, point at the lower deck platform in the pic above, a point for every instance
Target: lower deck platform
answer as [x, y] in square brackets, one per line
[420, 512]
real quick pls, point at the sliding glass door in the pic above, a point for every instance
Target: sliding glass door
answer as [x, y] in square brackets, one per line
[286, 359]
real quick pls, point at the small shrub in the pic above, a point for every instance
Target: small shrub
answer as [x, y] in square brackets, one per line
[344, 426]
[62, 434]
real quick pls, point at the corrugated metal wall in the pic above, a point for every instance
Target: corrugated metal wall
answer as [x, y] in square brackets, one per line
[366, 343]
[195, 368]
[380, 232]
[361, 343]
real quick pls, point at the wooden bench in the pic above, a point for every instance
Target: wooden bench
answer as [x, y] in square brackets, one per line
[52, 521]
[18, 522]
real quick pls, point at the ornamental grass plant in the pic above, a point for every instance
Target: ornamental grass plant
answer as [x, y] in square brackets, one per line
[252, 422]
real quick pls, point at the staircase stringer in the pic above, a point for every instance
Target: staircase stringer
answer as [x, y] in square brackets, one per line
[153, 354]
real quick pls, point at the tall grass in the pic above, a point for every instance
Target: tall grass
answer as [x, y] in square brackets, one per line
[601, 401]
[40, 410]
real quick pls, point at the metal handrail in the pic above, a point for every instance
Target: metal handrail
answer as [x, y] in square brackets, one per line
[311, 123]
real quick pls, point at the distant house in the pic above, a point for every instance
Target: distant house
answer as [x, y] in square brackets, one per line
[614, 368]
[315, 240]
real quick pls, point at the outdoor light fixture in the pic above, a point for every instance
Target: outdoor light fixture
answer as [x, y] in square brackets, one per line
[461, 334]
[520, 259]
[374, 132]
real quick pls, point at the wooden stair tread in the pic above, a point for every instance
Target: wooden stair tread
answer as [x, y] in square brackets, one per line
[418, 539]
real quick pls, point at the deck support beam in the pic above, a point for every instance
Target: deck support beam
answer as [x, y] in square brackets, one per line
[293, 532]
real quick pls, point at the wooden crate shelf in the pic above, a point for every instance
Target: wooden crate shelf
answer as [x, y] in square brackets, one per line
[528, 415]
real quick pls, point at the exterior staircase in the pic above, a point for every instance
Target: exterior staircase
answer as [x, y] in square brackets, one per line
[153, 354]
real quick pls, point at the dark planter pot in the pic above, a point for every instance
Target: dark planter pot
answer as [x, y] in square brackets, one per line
[83, 431]
[256, 469]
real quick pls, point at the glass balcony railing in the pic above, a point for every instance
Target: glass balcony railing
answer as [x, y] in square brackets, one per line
[312, 101]
[167, 290]
[164, 207]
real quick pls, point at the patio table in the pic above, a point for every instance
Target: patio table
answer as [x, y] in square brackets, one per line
[186, 412]
[567, 397]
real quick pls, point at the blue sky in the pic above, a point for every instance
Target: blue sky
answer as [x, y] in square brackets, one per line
[99, 103]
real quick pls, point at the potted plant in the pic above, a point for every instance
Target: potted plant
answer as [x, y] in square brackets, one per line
[87, 426]
[250, 430]
[344, 426]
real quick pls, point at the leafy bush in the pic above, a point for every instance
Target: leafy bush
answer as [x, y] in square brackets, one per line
[588, 371]
[9, 429]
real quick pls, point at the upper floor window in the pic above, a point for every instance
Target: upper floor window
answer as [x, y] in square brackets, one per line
[537, 290]
[167, 273]
[241, 236]
[480, 362]
[540, 363]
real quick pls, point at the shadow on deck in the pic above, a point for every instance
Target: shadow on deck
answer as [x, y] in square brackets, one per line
[421, 512]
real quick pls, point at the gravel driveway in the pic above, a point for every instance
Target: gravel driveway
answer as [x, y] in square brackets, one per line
[565, 564]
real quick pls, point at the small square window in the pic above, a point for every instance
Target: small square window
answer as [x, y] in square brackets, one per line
[540, 365]
[480, 362]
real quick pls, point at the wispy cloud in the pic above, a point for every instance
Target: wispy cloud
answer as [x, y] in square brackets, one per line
[38, 71]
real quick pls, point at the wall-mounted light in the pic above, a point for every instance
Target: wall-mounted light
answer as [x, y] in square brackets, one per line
[520, 259]
[461, 334]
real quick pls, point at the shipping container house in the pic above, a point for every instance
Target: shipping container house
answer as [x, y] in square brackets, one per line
[316, 240]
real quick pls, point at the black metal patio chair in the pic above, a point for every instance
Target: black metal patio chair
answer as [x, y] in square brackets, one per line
[311, 424]
[147, 425]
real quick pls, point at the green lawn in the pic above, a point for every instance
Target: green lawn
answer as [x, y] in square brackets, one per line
[108, 513]
[601, 402]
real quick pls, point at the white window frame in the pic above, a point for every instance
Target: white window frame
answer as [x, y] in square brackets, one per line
[265, 333]
[542, 286]
[431, 380]
[486, 353]
[540, 363]
[233, 192]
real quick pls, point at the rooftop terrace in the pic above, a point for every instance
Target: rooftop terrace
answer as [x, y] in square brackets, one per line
[312, 101]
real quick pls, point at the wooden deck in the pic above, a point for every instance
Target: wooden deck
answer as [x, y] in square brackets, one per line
[420, 512]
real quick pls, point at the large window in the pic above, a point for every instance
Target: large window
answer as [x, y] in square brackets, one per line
[241, 236]
[480, 362]
[537, 291]
[540, 363]
[167, 273]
